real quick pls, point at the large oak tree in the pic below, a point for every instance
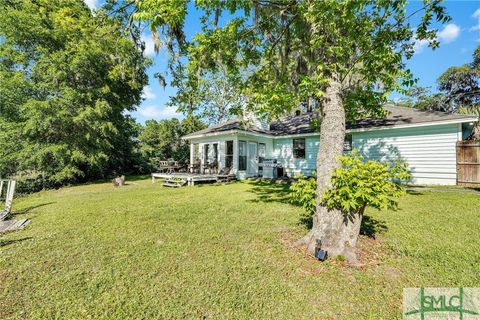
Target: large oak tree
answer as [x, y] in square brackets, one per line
[341, 58]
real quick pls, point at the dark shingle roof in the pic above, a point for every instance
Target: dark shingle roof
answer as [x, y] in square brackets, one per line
[227, 126]
[293, 124]
[301, 123]
[402, 115]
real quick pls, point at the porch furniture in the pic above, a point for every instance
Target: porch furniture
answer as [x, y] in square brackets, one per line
[10, 186]
[163, 166]
[213, 167]
[194, 167]
[171, 166]
[225, 175]
[204, 168]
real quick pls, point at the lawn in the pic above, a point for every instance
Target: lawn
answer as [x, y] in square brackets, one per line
[222, 251]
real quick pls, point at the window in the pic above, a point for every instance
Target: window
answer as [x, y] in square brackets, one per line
[205, 153]
[215, 152]
[262, 151]
[347, 144]
[242, 155]
[299, 148]
[196, 152]
[229, 154]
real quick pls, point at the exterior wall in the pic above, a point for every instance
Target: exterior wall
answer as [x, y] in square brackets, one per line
[283, 152]
[221, 142]
[257, 139]
[430, 150]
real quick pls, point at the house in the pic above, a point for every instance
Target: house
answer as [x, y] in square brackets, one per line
[425, 139]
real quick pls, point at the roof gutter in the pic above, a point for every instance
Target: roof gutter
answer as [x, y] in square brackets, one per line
[414, 125]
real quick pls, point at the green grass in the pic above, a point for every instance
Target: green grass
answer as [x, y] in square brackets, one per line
[211, 251]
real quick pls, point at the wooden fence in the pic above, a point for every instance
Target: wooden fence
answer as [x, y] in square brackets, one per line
[468, 163]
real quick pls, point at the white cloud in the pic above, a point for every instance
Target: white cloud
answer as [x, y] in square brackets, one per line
[148, 93]
[419, 45]
[92, 4]
[475, 28]
[149, 45]
[476, 14]
[449, 34]
[156, 112]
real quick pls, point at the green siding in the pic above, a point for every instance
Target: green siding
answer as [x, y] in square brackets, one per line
[283, 152]
[430, 151]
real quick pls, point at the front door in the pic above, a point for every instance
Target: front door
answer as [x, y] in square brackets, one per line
[252, 163]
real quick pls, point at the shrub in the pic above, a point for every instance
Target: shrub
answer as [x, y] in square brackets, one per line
[355, 185]
[303, 193]
[30, 181]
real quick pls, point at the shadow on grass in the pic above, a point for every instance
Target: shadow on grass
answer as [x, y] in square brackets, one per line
[267, 191]
[278, 192]
[414, 192]
[370, 227]
[4, 243]
[28, 209]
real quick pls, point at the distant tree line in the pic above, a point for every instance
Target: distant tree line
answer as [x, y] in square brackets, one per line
[458, 91]
[68, 80]
[161, 140]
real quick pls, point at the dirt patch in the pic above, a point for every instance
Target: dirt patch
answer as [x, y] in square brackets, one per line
[370, 252]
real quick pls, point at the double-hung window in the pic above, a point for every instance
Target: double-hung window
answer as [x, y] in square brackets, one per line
[299, 148]
[242, 155]
[229, 154]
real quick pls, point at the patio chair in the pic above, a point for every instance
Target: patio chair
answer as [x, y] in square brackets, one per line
[163, 166]
[226, 175]
[213, 167]
[8, 198]
[194, 167]
[171, 166]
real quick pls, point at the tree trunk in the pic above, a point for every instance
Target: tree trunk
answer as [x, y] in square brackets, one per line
[337, 231]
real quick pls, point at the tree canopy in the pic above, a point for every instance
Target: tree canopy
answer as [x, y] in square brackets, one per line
[340, 58]
[161, 140]
[68, 79]
[289, 50]
[458, 89]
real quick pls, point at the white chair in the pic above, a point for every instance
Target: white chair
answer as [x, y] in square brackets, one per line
[8, 197]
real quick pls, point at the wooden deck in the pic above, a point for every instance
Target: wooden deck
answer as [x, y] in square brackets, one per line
[191, 178]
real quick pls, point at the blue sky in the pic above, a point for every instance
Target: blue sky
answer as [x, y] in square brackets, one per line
[458, 39]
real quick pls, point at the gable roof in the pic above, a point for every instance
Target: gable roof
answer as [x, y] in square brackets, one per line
[293, 125]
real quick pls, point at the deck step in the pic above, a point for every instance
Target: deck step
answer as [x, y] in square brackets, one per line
[174, 183]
